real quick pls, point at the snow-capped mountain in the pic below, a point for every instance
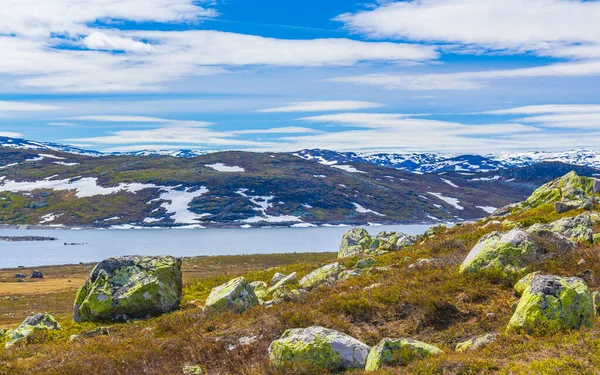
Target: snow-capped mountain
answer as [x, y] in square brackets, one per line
[23, 144]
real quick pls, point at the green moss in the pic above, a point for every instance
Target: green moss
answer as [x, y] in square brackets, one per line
[398, 352]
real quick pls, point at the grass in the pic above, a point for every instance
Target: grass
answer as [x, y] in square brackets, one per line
[433, 304]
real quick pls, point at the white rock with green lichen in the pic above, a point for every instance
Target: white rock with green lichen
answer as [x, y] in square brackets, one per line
[276, 278]
[398, 352]
[34, 323]
[130, 287]
[325, 275]
[552, 303]
[260, 289]
[193, 370]
[286, 294]
[318, 346]
[506, 252]
[476, 343]
[348, 274]
[358, 242]
[284, 281]
[365, 263]
[236, 295]
[577, 229]
[354, 242]
[596, 300]
[524, 282]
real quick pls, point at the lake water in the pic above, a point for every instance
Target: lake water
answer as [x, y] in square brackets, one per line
[101, 244]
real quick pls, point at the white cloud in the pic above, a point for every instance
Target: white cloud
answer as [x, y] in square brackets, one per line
[323, 106]
[139, 119]
[11, 135]
[62, 124]
[101, 41]
[532, 25]
[576, 116]
[469, 80]
[11, 106]
[547, 108]
[282, 130]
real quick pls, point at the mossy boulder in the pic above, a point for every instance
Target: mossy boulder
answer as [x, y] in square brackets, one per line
[130, 287]
[389, 241]
[236, 295]
[553, 303]
[365, 263]
[320, 347]
[34, 323]
[568, 192]
[505, 252]
[286, 294]
[276, 278]
[577, 229]
[476, 343]
[398, 352]
[354, 242]
[325, 275]
[524, 283]
[260, 289]
[348, 274]
[596, 299]
[282, 282]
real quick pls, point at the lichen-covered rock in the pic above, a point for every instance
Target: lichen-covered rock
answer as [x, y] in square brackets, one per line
[476, 343]
[284, 281]
[365, 263]
[286, 294]
[553, 303]
[398, 352]
[424, 262]
[34, 323]
[235, 295]
[570, 191]
[130, 287]
[318, 346]
[524, 282]
[354, 242]
[577, 229]
[325, 275]
[260, 289]
[506, 252]
[390, 241]
[192, 370]
[596, 300]
[276, 278]
[348, 274]
[596, 238]
[100, 331]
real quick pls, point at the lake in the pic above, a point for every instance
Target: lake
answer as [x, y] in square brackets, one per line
[97, 245]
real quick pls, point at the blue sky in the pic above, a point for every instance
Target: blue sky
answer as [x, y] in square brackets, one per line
[453, 76]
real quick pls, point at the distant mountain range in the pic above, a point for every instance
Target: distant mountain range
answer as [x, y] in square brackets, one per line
[55, 185]
[410, 162]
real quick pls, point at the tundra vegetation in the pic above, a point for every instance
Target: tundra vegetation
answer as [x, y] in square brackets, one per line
[510, 294]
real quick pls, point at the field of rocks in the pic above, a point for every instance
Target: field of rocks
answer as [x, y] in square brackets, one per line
[515, 293]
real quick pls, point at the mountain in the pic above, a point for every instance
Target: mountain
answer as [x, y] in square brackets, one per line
[41, 184]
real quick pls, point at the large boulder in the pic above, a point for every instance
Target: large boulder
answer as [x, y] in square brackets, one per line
[260, 289]
[398, 352]
[568, 192]
[390, 241]
[236, 295]
[320, 347]
[130, 287]
[354, 242]
[524, 283]
[552, 303]
[506, 252]
[577, 229]
[34, 323]
[325, 275]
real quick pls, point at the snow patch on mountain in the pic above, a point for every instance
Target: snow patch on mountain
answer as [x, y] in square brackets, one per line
[360, 209]
[451, 201]
[220, 167]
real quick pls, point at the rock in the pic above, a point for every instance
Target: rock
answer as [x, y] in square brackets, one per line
[260, 289]
[372, 286]
[596, 300]
[285, 281]
[390, 241]
[276, 278]
[354, 242]
[577, 229]
[192, 370]
[348, 274]
[20, 276]
[398, 352]
[130, 287]
[524, 283]
[365, 263]
[289, 295]
[318, 346]
[505, 252]
[36, 275]
[492, 222]
[596, 238]
[37, 322]
[553, 303]
[235, 295]
[423, 263]
[476, 343]
[570, 192]
[506, 210]
[100, 331]
[325, 275]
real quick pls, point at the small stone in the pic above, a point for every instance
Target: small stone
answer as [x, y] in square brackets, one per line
[192, 370]
[476, 343]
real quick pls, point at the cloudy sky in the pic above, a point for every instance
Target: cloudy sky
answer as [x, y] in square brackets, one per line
[450, 76]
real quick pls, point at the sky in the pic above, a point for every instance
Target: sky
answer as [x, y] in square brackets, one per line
[448, 76]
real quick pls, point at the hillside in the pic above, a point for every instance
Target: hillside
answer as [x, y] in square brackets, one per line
[233, 189]
[427, 291]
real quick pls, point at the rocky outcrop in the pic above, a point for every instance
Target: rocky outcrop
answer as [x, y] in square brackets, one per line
[325, 275]
[476, 343]
[577, 229]
[260, 289]
[37, 322]
[553, 303]
[505, 252]
[524, 283]
[358, 242]
[130, 287]
[320, 347]
[236, 295]
[398, 352]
